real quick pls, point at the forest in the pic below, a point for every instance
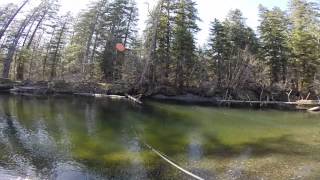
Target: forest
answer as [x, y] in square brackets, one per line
[279, 60]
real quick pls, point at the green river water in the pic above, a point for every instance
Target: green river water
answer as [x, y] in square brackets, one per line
[72, 138]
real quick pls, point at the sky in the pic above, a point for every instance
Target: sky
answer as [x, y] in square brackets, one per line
[207, 10]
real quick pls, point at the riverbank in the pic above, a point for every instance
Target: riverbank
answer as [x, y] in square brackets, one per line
[281, 105]
[241, 99]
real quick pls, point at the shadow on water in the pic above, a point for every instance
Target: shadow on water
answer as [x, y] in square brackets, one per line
[178, 128]
[284, 145]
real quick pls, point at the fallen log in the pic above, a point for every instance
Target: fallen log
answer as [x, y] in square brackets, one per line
[100, 95]
[127, 97]
[5, 87]
[308, 102]
[136, 100]
[314, 109]
[109, 96]
[30, 90]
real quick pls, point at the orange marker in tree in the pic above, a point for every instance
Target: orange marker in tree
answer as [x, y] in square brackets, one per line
[120, 47]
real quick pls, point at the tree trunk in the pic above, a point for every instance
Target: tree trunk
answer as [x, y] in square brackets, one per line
[20, 69]
[54, 63]
[13, 47]
[5, 27]
[86, 58]
[148, 69]
[33, 55]
[168, 55]
[18, 60]
[128, 28]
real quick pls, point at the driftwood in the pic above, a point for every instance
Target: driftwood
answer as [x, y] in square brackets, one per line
[43, 90]
[5, 87]
[289, 94]
[100, 95]
[303, 102]
[308, 102]
[314, 109]
[30, 90]
[134, 99]
[300, 105]
[127, 97]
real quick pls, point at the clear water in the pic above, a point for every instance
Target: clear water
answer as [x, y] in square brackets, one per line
[72, 138]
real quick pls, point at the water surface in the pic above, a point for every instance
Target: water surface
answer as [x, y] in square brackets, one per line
[68, 138]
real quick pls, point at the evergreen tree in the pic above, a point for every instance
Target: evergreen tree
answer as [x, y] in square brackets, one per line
[149, 74]
[218, 42]
[45, 11]
[120, 24]
[10, 18]
[232, 41]
[57, 44]
[5, 12]
[164, 40]
[184, 41]
[14, 40]
[87, 39]
[166, 56]
[304, 41]
[274, 42]
[158, 43]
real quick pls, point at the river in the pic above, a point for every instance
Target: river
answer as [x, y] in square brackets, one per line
[72, 138]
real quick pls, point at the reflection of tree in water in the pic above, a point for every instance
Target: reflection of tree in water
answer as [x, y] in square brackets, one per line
[90, 117]
[39, 143]
[24, 149]
[34, 152]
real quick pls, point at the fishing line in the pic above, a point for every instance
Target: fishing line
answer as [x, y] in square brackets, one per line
[166, 158]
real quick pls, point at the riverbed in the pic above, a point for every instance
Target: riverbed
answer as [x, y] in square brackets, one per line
[68, 138]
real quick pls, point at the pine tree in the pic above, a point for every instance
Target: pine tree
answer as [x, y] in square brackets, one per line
[165, 36]
[87, 39]
[184, 41]
[10, 19]
[304, 41]
[274, 42]
[14, 43]
[159, 39]
[5, 12]
[120, 22]
[149, 74]
[218, 42]
[232, 41]
[45, 11]
[57, 44]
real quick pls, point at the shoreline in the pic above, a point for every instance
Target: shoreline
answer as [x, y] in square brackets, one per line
[214, 101]
[98, 90]
[189, 99]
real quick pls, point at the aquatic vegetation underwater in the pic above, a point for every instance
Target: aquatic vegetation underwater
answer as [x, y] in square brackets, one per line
[81, 138]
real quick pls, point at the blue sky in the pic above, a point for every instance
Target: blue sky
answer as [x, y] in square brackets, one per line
[208, 10]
